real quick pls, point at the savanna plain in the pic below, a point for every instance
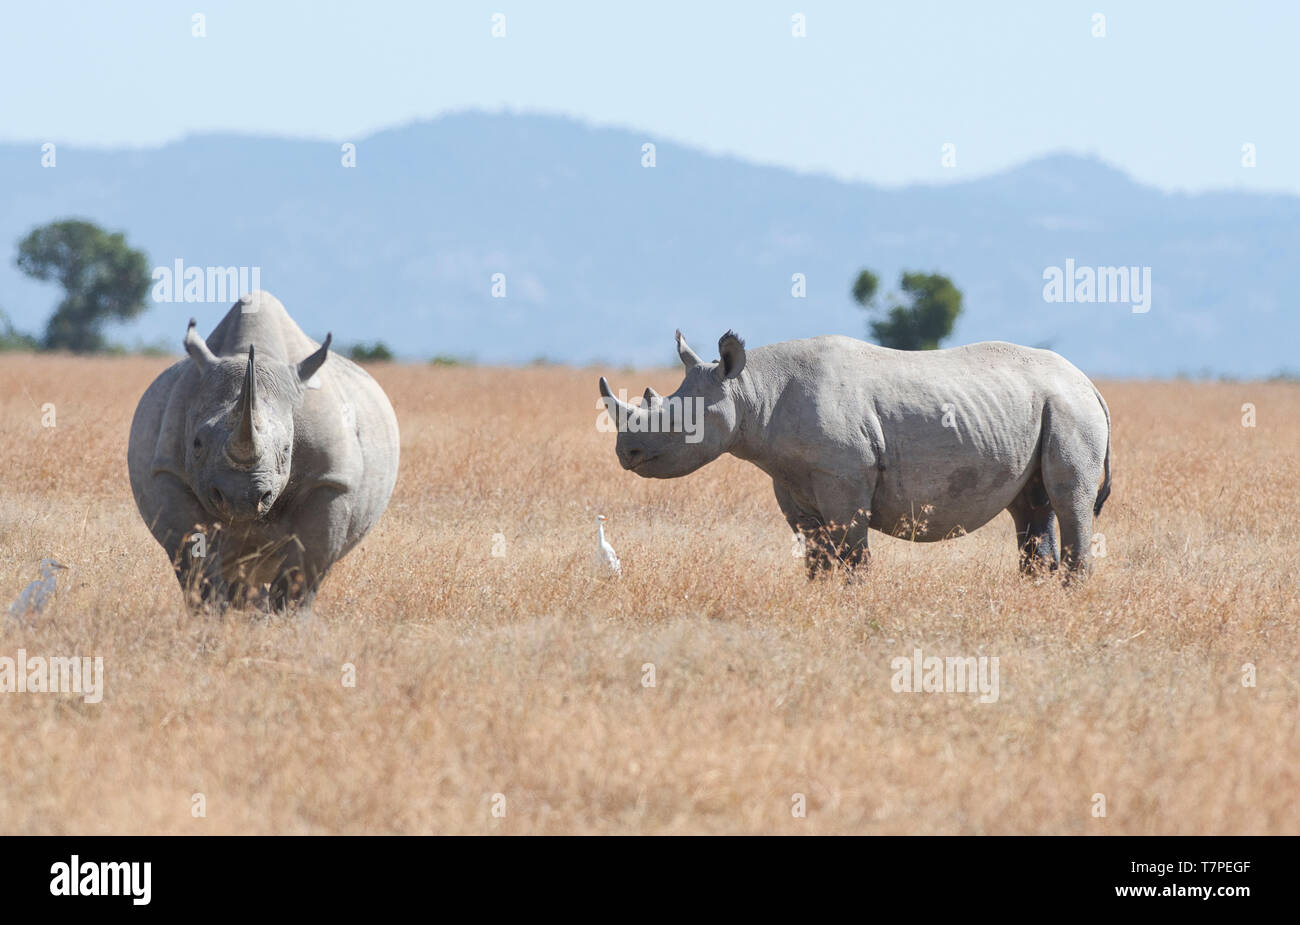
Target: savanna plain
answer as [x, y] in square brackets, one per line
[492, 671]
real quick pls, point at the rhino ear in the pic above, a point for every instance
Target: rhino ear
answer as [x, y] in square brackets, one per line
[309, 367]
[731, 349]
[688, 357]
[197, 347]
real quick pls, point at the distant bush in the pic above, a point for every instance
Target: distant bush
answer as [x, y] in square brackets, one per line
[11, 339]
[446, 359]
[377, 352]
[161, 349]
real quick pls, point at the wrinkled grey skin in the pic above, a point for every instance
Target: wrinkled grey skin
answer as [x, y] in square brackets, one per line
[923, 445]
[281, 453]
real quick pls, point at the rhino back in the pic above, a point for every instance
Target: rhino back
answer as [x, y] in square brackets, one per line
[260, 319]
[955, 430]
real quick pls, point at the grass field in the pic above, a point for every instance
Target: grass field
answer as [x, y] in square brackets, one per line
[520, 675]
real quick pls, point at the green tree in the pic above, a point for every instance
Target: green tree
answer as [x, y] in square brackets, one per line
[374, 353]
[924, 316]
[864, 288]
[103, 279]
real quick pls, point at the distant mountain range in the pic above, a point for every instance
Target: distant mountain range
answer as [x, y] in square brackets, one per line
[603, 257]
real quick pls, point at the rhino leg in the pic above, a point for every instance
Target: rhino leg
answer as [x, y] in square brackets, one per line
[292, 591]
[1035, 527]
[297, 578]
[202, 577]
[818, 556]
[1072, 469]
[845, 543]
[805, 523]
[174, 521]
[834, 526]
[845, 507]
[321, 531]
[1076, 535]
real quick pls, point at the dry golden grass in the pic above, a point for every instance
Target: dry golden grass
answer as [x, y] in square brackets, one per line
[522, 676]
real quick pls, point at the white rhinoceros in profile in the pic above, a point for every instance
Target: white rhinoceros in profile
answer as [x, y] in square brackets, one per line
[923, 445]
[257, 464]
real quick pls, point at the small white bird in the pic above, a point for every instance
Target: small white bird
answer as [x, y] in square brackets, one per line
[37, 594]
[607, 564]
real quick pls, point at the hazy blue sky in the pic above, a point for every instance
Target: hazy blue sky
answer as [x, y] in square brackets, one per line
[1170, 94]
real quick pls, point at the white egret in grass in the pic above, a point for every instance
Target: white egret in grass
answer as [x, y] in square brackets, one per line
[37, 594]
[607, 564]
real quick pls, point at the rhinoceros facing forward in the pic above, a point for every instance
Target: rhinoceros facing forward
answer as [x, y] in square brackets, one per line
[257, 464]
[923, 445]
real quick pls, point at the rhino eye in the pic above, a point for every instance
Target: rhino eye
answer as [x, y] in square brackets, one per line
[198, 443]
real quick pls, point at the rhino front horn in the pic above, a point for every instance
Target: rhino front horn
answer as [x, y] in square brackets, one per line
[612, 404]
[245, 442]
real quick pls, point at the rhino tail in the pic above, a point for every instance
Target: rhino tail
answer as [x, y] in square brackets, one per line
[1104, 492]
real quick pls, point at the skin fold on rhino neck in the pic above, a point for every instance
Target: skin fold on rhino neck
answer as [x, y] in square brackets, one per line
[749, 412]
[747, 440]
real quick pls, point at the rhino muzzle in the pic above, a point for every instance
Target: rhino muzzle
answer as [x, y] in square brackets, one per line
[244, 503]
[631, 457]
